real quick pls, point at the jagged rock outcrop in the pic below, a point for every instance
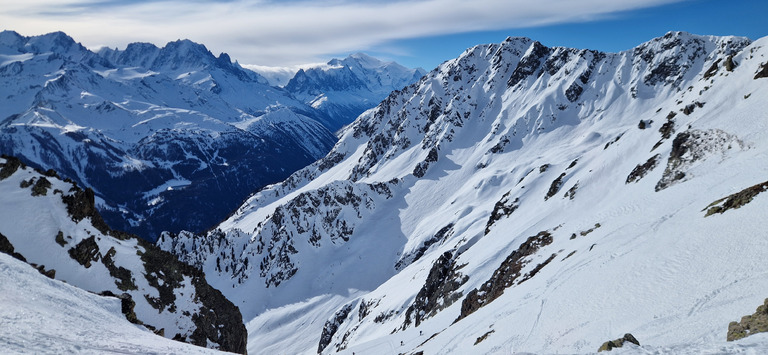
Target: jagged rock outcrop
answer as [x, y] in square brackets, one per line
[157, 291]
[736, 200]
[438, 292]
[751, 324]
[618, 343]
[508, 274]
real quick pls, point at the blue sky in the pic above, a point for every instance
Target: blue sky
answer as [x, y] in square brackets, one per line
[617, 32]
[415, 32]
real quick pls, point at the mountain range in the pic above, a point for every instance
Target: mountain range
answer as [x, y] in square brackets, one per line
[519, 198]
[162, 135]
[345, 88]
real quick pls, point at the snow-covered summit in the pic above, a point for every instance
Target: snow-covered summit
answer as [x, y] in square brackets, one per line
[518, 198]
[154, 131]
[344, 88]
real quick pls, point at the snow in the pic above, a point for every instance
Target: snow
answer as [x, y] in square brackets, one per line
[6, 59]
[655, 267]
[41, 229]
[45, 316]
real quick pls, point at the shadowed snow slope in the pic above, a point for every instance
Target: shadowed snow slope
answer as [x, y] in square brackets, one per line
[518, 198]
[162, 135]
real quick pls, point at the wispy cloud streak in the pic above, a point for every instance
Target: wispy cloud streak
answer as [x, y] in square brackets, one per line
[291, 32]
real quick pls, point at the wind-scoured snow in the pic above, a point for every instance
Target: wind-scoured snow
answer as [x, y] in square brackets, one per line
[489, 208]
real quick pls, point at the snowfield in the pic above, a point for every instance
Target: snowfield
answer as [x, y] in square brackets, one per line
[519, 198]
[44, 316]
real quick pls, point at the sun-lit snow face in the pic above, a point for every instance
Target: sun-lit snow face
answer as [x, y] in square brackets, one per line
[517, 198]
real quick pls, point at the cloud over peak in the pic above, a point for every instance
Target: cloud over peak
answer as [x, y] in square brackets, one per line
[291, 32]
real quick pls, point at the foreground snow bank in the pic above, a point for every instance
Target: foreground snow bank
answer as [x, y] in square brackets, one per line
[51, 317]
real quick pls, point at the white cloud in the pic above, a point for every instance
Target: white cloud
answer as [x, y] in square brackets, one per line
[289, 33]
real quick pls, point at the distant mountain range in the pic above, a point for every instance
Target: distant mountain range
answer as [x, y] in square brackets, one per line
[345, 88]
[517, 199]
[169, 138]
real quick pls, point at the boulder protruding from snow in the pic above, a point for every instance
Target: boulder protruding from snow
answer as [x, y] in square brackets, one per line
[618, 343]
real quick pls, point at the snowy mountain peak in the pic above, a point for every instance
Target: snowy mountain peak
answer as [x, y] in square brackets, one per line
[164, 122]
[525, 197]
[54, 43]
[346, 87]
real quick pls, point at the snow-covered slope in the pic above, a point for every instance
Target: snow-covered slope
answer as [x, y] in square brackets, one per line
[519, 198]
[44, 316]
[344, 88]
[53, 225]
[162, 135]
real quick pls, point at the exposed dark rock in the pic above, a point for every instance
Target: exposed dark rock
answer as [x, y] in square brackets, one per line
[484, 336]
[586, 232]
[438, 292]
[671, 115]
[762, 72]
[712, 69]
[573, 163]
[41, 187]
[642, 124]
[613, 141]
[85, 252]
[365, 307]
[60, 239]
[643, 169]
[80, 205]
[543, 168]
[730, 65]
[749, 325]
[574, 92]
[571, 253]
[9, 167]
[124, 277]
[421, 169]
[51, 274]
[529, 64]
[506, 275]
[666, 130]
[555, 187]
[680, 146]
[384, 316]
[126, 306]
[410, 258]
[502, 208]
[736, 200]
[216, 312]
[618, 343]
[571, 193]
[332, 326]
[691, 146]
[26, 183]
